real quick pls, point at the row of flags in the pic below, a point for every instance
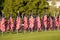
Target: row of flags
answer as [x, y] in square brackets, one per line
[31, 22]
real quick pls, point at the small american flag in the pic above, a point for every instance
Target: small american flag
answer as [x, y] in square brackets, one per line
[3, 24]
[59, 20]
[56, 22]
[45, 21]
[31, 22]
[50, 22]
[11, 23]
[18, 23]
[38, 22]
[25, 22]
[8, 28]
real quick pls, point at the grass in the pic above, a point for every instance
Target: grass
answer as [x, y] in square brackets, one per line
[44, 35]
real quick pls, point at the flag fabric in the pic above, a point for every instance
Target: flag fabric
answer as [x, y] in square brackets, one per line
[11, 23]
[51, 22]
[25, 22]
[38, 21]
[18, 23]
[8, 25]
[56, 22]
[2, 24]
[59, 20]
[31, 22]
[45, 21]
[48, 22]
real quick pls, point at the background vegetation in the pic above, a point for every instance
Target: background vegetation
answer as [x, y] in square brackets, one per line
[26, 6]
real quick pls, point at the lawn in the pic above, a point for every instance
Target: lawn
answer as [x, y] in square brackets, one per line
[44, 35]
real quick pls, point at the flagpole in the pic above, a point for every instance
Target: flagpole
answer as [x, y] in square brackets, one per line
[17, 29]
[11, 15]
[17, 32]
[33, 17]
[37, 16]
[2, 16]
[54, 14]
[2, 33]
[9, 19]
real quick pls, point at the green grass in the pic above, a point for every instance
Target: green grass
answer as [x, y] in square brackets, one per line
[44, 35]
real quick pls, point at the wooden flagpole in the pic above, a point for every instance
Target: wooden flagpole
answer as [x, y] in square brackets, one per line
[17, 29]
[2, 16]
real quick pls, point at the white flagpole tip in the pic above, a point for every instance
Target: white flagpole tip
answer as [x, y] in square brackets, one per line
[2, 12]
[18, 11]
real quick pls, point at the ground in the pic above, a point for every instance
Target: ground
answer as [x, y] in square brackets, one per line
[43, 35]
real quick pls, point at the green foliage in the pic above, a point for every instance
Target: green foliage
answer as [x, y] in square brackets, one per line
[25, 7]
[1, 4]
[53, 10]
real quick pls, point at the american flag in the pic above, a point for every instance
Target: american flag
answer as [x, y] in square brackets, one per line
[59, 20]
[56, 22]
[3, 24]
[31, 22]
[0, 24]
[18, 24]
[11, 23]
[25, 22]
[51, 21]
[8, 25]
[45, 21]
[38, 22]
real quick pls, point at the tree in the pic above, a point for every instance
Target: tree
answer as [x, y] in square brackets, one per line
[25, 7]
[53, 9]
[1, 5]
